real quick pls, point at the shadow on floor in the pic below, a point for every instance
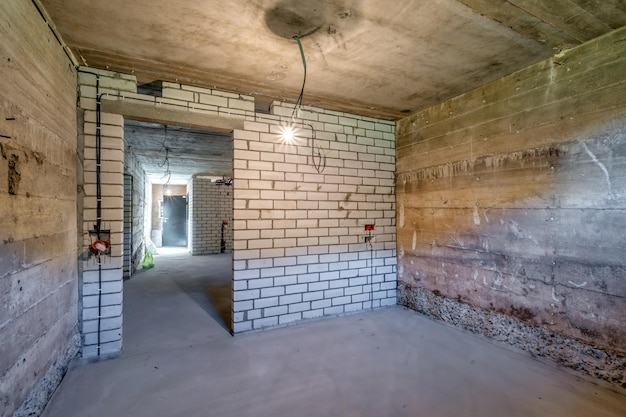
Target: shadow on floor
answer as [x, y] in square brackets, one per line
[213, 298]
[158, 312]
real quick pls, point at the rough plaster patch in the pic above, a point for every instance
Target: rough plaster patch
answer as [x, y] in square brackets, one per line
[14, 175]
[500, 327]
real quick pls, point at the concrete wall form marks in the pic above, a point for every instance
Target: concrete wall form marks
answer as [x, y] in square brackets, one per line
[38, 276]
[511, 199]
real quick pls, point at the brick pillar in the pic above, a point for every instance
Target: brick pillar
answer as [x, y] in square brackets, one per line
[101, 290]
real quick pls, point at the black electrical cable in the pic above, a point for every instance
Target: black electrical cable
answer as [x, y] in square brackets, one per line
[98, 195]
[99, 199]
[321, 166]
[371, 272]
[316, 152]
[166, 161]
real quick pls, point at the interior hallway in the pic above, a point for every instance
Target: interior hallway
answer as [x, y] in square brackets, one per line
[184, 300]
[180, 360]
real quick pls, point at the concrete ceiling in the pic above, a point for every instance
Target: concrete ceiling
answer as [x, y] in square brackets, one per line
[381, 59]
[384, 59]
[172, 154]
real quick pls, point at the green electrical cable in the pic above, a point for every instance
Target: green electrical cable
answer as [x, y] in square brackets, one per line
[301, 51]
[299, 101]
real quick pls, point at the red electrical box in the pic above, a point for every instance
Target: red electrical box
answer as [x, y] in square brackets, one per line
[369, 227]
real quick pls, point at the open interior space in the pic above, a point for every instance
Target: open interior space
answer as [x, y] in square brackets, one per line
[332, 207]
[179, 360]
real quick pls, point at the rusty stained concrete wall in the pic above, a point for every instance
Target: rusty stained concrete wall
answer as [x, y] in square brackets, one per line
[511, 209]
[38, 277]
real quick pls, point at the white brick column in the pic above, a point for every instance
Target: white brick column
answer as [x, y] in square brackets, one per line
[101, 317]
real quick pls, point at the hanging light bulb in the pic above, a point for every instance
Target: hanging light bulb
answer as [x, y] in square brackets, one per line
[288, 134]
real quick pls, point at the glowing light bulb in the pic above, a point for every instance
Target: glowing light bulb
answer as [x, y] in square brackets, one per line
[288, 135]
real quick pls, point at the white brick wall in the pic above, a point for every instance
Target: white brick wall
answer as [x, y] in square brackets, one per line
[297, 234]
[102, 309]
[210, 205]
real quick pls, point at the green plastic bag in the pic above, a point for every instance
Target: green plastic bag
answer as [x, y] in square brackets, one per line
[148, 261]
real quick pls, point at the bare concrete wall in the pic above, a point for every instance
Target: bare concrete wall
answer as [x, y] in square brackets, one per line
[38, 278]
[511, 208]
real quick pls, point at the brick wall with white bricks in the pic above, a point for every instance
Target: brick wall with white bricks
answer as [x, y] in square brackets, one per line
[299, 211]
[134, 212]
[190, 216]
[101, 317]
[211, 205]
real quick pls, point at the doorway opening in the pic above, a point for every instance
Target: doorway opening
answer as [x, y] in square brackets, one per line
[181, 196]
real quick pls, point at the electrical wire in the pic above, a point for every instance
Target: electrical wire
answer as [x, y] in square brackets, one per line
[166, 161]
[98, 226]
[318, 158]
[164, 138]
[316, 151]
[368, 241]
[321, 166]
[300, 97]
[371, 272]
[99, 199]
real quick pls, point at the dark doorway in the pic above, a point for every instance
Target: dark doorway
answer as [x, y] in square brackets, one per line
[174, 221]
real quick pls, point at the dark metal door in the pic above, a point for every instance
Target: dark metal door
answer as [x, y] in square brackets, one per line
[174, 221]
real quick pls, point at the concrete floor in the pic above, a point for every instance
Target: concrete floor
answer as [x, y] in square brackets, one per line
[180, 360]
